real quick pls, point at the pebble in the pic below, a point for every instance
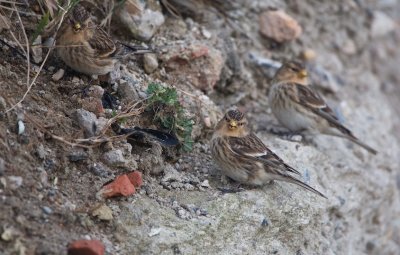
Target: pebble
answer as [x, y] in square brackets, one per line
[14, 182]
[197, 63]
[87, 121]
[154, 232]
[150, 62]
[103, 212]
[308, 55]
[8, 234]
[382, 24]
[127, 90]
[136, 178]
[205, 184]
[78, 155]
[121, 186]
[114, 158]
[2, 166]
[40, 152]
[100, 169]
[279, 26]
[86, 247]
[47, 210]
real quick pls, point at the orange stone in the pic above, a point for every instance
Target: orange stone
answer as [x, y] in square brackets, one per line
[86, 247]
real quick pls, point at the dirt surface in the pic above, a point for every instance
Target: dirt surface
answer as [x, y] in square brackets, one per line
[48, 187]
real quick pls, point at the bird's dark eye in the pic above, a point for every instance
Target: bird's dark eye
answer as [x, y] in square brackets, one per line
[226, 118]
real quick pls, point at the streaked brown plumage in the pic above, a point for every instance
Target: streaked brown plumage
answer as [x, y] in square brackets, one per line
[86, 47]
[242, 156]
[301, 109]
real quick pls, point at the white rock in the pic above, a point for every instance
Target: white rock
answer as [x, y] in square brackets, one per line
[58, 75]
[382, 24]
[103, 213]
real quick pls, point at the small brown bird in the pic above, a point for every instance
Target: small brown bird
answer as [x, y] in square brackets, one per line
[242, 156]
[86, 47]
[301, 109]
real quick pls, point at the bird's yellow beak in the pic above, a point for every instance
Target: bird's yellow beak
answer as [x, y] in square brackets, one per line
[233, 124]
[303, 73]
[77, 26]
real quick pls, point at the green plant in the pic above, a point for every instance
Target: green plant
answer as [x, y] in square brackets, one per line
[169, 112]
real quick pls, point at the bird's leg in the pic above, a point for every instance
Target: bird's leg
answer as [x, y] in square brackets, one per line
[236, 187]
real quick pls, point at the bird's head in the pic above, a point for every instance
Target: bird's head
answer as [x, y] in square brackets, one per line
[79, 18]
[292, 71]
[234, 123]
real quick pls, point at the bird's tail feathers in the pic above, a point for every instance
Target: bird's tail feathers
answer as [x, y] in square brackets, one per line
[293, 180]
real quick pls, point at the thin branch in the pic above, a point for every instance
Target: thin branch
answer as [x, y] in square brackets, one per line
[28, 55]
[40, 68]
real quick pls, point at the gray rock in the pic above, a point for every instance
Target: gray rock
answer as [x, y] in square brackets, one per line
[127, 90]
[87, 121]
[78, 155]
[14, 182]
[382, 24]
[100, 169]
[2, 166]
[114, 158]
[150, 62]
[47, 210]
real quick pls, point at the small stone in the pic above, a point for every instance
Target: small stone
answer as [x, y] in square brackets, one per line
[86, 247]
[99, 169]
[47, 210]
[150, 62]
[92, 104]
[121, 186]
[8, 234]
[308, 55]
[207, 122]
[21, 127]
[154, 232]
[205, 184]
[114, 158]
[37, 50]
[207, 34]
[87, 121]
[3, 105]
[78, 155]
[14, 182]
[349, 47]
[103, 212]
[2, 166]
[382, 24]
[127, 90]
[279, 26]
[171, 174]
[136, 179]
[198, 64]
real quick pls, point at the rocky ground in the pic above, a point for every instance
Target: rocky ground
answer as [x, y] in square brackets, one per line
[57, 151]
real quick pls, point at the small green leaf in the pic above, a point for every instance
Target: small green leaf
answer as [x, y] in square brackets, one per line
[40, 27]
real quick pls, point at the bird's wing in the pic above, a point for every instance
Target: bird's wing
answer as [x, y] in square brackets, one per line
[253, 148]
[310, 99]
[101, 42]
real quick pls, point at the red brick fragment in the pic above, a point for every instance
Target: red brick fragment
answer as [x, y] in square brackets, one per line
[121, 186]
[136, 178]
[86, 247]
